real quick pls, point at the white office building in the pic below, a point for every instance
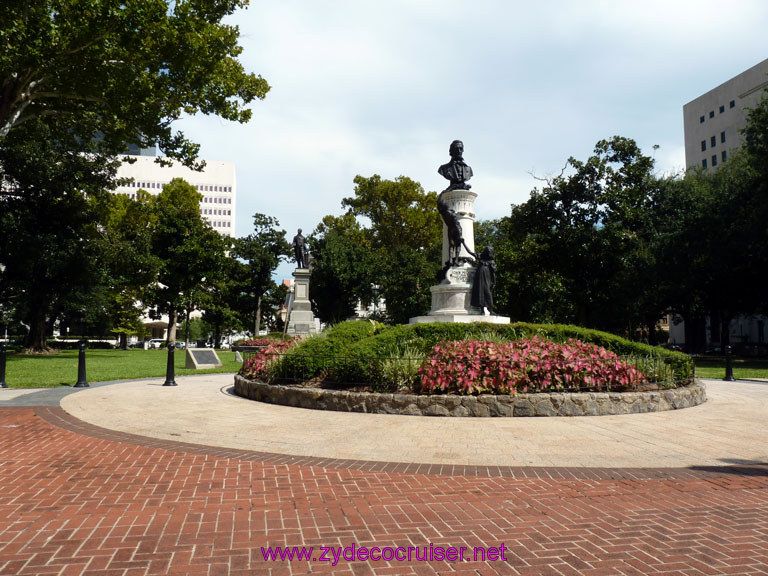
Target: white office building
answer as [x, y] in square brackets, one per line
[216, 183]
[713, 121]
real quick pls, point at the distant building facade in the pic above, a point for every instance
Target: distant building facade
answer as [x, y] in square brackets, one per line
[713, 121]
[216, 183]
[713, 124]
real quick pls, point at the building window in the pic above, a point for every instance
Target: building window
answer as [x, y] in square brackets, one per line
[722, 109]
[714, 160]
[703, 145]
[711, 113]
[732, 104]
[712, 142]
[722, 137]
[701, 119]
[704, 163]
[724, 156]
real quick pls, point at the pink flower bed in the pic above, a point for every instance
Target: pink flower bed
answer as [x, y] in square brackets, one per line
[257, 366]
[529, 364]
[257, 342]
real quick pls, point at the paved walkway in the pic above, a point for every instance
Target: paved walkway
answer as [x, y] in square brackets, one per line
[730, 427]
[78, 498]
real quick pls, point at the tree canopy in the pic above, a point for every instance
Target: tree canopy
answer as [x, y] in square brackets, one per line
[399, 250]
[115, 72]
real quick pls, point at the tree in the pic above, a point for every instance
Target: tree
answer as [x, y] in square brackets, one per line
[188, 249]
[342, 269]
[404, 238]
[117, 72]
[49, 230]
[125, 247]
[578, 250]
[259, 253]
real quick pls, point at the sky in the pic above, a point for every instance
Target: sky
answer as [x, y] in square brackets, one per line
[363, 87]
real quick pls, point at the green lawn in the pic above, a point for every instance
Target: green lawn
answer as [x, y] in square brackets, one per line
[37, 371]
[715, 368]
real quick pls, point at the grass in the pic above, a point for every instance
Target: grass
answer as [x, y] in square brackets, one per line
[60, 369]
[742, 368]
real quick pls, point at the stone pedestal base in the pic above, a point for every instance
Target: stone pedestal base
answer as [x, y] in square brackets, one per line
[302, 321]
[451, 300]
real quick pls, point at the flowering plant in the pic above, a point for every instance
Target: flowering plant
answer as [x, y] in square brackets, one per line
[257, 366]
[257, 342]
[534, 363]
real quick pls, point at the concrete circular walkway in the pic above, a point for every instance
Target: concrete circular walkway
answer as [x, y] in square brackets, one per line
[728, 429]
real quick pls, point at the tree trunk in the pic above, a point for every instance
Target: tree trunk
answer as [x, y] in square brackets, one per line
[123, 341]
[173, 317]
[35, 338]
[257, 324]
[725, 330]
[652, 338]
[186, 331]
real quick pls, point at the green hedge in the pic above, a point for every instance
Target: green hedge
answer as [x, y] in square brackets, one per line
[351, 351]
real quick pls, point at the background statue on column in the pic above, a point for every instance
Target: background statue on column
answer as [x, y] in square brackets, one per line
[300, 250]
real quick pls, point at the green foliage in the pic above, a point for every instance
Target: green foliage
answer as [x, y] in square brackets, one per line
[399, 371]
[256, 258]
[579, 249]
[188, 250]
[342, 268]
[49, 233]
[120, 72]
[399, 251]
[364, 352]
[125, 246]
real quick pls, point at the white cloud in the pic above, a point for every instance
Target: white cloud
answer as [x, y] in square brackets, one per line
[364, 86]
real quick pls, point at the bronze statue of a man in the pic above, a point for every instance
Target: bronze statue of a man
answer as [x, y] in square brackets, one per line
[300, 250]
[457, 172]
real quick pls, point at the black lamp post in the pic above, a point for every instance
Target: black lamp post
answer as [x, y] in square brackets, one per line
[3, 348]
[728, 365]
[169, 367]
[81, 380]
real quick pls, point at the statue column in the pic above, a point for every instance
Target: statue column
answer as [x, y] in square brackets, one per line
[463, 203]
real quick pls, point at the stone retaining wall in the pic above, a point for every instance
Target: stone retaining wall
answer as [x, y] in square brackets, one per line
[540, 404]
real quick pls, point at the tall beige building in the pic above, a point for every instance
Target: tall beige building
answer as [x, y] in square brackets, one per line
[216, 183]
[712, 122]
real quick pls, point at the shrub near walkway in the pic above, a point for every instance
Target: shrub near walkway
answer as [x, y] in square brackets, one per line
[388, 358]
[48, 370]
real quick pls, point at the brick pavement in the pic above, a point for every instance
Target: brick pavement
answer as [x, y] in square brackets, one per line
[77, 499]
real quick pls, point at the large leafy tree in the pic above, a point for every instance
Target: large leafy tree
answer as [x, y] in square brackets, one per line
[188, 249]
[125, 247]
[402, 242]
[118, 72]
[258, 255]
[49, 229]
[342, 267]
[579, 250]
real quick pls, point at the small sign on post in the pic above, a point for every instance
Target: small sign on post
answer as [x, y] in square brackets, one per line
[201, 358]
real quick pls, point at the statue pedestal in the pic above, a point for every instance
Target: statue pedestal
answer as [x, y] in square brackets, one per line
[302, 321]
[451, 298]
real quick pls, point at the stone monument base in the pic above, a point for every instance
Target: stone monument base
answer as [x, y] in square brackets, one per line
[302, 321]
[451, 300]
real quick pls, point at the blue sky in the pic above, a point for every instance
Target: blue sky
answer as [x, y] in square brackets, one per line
[372, 87]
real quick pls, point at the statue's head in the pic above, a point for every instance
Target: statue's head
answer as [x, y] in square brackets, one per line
[456, 150]
[299, 230]
[487, 253]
